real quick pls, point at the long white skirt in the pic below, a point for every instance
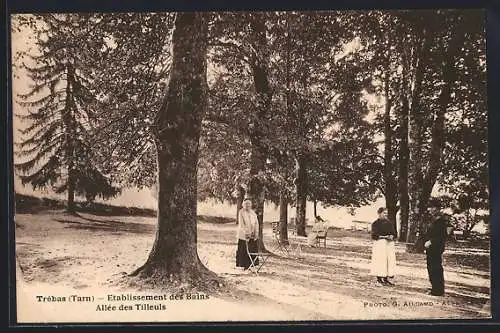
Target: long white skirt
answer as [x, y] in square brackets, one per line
[311, 238]
[383, 258]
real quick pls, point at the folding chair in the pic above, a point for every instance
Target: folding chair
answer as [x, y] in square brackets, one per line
[254, 256]
[321, 236]
[278, 245]
[297, 247]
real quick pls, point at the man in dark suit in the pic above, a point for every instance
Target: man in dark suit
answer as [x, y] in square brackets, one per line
[434, 248]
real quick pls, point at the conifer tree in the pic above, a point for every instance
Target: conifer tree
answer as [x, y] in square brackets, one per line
[56, 149]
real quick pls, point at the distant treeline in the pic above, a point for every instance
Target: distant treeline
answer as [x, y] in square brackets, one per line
[31, 204]
[27, 204]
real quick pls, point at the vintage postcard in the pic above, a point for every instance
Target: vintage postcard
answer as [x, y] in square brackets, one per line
[250, 166]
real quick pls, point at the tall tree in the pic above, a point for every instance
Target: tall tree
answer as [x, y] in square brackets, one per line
[382, 37]
[224, 149]
[303, 44]
[453, 26]
[424, 35]
[225, 145]
[62, 107]
[259, 64]
[131, 72]
[177, 132]
[239, 46]
[464, 174]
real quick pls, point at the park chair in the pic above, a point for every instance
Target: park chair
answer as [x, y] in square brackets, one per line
[292, 228]
[321, 236]
[261, 256]
[278, 245]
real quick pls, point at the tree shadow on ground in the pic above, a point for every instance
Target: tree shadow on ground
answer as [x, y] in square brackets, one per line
[473, 274]
[108, 225]
[479, 262]
[358, 284]
[458, 286]
[319, 273]
[28, 204]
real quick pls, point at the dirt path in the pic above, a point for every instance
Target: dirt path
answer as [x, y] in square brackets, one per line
[61, 254]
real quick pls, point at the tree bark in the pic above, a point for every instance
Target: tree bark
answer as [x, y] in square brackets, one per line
[70, 133]
[468, 225]
[263, 91]
[71, 191]
[437, 136]
[283, 218]
[174, 256]
[301, 193]
[256, 186]
[438, 140]
[404, 156]
[239, 202]
[315, 208]
[391, 195]
[416, 135]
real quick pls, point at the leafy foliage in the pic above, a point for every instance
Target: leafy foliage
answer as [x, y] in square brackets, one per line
[339, 81]
[131, 74]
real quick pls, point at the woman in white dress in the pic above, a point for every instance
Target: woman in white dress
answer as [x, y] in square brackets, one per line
[383, 262]
[319, 225]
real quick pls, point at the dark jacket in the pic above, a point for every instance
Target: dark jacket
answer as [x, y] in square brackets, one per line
[437, 235]
[383, 227]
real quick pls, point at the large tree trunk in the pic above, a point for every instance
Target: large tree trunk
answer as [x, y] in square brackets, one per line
[404, 156]
[391, 195]
[416, 118]
[404, 150]
[70, 134]
[438, 141]
[264, 94]
[174, 254]
[469, 225]
[256, 187]
[301, 193]
[71, 191]
[283, 218]
[415, 186]
[239, 202]
[437, 137]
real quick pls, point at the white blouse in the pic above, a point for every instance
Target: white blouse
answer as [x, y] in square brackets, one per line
[247, 225]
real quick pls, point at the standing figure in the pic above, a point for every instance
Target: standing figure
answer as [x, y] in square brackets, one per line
[248, 231]
[383, 262]
[434, 248]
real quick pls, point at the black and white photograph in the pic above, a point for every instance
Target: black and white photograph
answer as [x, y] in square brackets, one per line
[174, 167]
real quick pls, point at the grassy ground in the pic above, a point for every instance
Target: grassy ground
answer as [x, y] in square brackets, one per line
[60, 253]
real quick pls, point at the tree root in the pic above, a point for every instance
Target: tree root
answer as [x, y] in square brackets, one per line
[156, 277]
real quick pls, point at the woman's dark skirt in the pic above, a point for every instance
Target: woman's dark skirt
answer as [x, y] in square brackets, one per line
[242, 258]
